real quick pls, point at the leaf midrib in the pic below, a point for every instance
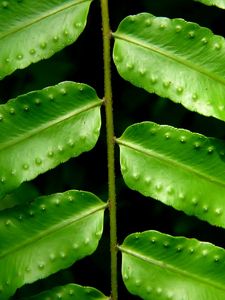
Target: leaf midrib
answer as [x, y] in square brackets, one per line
[171, 268]
[170, 162]
[42, 17]
[175, 58]
[47, 125]
[52, 230]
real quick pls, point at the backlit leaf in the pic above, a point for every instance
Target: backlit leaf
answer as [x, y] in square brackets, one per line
[24, 194]
[162, 267]
[219, 3]
[44, 128]
[174, 59]
[47, 235]
[71, 292]
[180, 168]
[34, 30]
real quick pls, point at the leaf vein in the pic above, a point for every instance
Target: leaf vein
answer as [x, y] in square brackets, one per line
[42, 17]
[48, 125]
[53, 229]
[170, 162]
[175, 58]
[172, 268]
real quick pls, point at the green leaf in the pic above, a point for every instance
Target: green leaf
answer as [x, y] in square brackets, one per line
[159, 266]
[71, 292]
[48, 235]
[24, 194]
[219, 3]
[41, 129]
[180, 168]
[162, 267]
[174, 59]
[31, 31]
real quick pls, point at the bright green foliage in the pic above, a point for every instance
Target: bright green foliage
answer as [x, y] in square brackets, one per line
[172, 58]
[24, 194]
[175, 59]
[70, 292]
[219, 3]
[41, 129]
[177, 167]
[47, 235]
[158, 266]
[34, 30]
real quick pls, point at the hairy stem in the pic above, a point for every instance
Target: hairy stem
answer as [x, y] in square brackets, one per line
[110, 145]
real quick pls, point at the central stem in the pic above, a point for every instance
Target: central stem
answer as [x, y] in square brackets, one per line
[110, 146]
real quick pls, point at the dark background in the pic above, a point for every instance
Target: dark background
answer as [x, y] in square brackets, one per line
[82, 62]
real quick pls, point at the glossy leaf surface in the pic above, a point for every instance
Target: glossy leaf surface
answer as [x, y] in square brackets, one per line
[219, 3]
[24, 194]
[180, 168]
[48, 235]
[44, 128]
[70, 292]
[174, 59]
[162, 267]
[31, 31]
